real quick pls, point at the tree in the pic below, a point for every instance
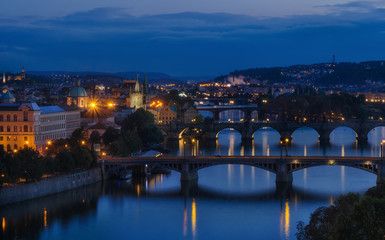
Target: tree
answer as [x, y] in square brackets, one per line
[31, 164]
[142, 124]
[95, 137]
[111, 134]
[198, 119]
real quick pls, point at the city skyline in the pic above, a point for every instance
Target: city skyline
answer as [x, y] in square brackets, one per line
[187, 40]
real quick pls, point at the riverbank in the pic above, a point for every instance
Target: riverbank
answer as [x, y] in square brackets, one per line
[49, 186]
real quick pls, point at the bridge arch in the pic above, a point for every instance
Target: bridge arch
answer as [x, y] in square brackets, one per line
[266, 134]
[312, 135]
[233, 115]
[367, 166]
[206, 113]
[238, 131]
[190, 131]
[376, 134]
[343, 133]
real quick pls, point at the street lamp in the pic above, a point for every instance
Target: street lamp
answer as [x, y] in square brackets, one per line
[382, 150]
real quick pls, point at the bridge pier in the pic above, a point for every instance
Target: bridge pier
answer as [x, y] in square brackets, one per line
[324, 139]
[188, 175]
[381, 172]
[282, 173]
[362, 139]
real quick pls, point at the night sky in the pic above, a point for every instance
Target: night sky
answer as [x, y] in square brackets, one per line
[186, 38]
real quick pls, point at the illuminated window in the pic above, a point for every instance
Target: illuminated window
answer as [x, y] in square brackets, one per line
[15, 128]
[1, 129]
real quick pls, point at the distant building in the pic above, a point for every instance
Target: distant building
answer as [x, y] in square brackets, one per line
[122, 114]
[167, 115]
[189, 113]
[78, 96]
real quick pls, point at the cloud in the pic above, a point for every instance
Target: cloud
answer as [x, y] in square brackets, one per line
[190, 43]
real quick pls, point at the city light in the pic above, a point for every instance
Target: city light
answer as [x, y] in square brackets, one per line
[49, 142]
[92, 104]
[83, 142]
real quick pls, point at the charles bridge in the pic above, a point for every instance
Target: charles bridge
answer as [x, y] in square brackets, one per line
[210, 131]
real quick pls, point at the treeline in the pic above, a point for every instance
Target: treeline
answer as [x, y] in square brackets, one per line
[354, 73]
[351, 217]
[138, 130]
[63, 155]
[316, 107]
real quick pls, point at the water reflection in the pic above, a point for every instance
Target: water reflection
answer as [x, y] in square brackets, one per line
[151, 207]
[193, 217]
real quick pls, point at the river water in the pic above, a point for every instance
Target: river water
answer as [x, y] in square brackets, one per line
[229, 201]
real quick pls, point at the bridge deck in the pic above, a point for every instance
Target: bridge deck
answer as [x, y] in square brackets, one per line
[236, 159]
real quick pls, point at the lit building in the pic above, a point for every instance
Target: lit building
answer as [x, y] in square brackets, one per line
[28, 125]
[167, 115]
[78, 96]
[189, 113]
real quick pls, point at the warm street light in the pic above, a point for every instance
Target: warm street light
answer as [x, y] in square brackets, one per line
[382, 150]
[83, 142]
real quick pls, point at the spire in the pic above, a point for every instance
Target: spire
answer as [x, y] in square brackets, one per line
[145, 85]
[4, 78]
[137, 85]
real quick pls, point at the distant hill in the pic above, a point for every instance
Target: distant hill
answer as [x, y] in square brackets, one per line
[318, 74]
[110, 78]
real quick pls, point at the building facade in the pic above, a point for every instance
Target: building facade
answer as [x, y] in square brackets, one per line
[167, 115]
[28, 125]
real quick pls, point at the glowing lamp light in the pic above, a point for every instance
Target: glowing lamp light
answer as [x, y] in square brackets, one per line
[110, 104]
[104, 154]
[83, 142]
[93, 105]
[26, 142]
[287, 140]
[49, 142]
[15, 150]
[331, 163]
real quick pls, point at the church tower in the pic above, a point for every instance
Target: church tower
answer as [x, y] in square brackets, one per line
[146, 94]
[22, 74]
[4, 81]
[136, 96]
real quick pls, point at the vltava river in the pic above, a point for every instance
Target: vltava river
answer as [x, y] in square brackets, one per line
[229, 201]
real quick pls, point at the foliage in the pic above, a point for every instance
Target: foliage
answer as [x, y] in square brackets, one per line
[351, 217]
[111, 134]
[198, 119]
[95, 137]
[316, 108]
[142, 124]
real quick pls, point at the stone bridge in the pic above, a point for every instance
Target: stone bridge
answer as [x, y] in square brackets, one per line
[283, 167]
[174, 131]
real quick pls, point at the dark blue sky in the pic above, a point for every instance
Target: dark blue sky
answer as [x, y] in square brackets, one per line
[193, 43]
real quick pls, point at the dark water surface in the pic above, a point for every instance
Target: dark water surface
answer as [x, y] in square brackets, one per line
[228, 202]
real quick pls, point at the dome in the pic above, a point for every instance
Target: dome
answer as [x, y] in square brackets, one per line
[6, 96]
[77, 92]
